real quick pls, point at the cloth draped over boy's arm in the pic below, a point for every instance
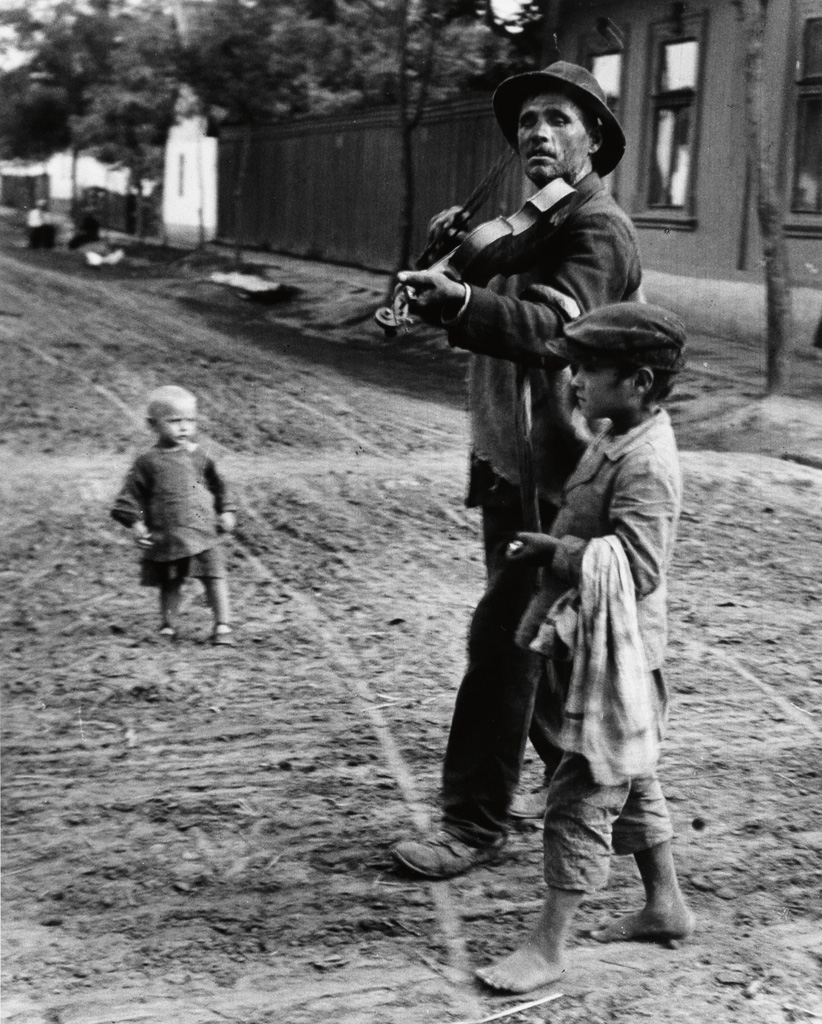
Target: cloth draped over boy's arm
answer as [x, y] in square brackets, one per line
[610, 716]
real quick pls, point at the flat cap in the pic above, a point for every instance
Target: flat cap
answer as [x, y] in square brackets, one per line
[634, 332]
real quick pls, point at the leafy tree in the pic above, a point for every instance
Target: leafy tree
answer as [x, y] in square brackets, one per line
[255, 61]
[531, 28]
[34, 117]
[226, 60]
[98, 75]
[65, 51]
[129, 113]
[271, 60]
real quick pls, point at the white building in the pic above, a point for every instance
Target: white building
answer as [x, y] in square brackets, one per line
[91, 173]
[190, 184]
[53, 179]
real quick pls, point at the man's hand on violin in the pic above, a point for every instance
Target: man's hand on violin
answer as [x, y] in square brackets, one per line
[450, 225]
[432, 295]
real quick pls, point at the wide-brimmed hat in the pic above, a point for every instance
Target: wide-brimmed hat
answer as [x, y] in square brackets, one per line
[578, 84]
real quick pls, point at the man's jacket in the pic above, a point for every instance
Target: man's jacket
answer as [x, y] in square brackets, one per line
[591, 260]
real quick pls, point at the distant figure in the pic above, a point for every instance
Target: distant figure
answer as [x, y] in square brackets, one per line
[175, 501]
[88, 230]
[41, 230]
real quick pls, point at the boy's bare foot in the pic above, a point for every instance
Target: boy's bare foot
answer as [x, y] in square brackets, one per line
[671, 926]
[538, 961]
[524, 969]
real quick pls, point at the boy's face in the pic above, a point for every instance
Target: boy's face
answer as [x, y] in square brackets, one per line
[604, 393]
[176, 424]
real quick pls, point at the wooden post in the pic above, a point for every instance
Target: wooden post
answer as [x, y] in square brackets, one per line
[239, 189]
[779, 313]
[549, 48]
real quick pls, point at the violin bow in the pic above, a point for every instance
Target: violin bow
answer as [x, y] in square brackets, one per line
[388, 317]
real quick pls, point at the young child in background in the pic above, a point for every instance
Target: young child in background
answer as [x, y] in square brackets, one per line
[174, 500]
[599, 622]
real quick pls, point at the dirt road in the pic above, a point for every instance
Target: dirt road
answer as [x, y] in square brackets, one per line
[194, 834]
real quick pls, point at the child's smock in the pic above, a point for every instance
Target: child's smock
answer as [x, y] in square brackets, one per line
[177, 493]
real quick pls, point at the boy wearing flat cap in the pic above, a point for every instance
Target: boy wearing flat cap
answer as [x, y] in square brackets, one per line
[599, 623]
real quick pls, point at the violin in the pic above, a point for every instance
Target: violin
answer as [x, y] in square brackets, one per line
[442, 242]
[504, 245]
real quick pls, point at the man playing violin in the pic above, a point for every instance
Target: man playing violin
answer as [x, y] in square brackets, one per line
[560, 125]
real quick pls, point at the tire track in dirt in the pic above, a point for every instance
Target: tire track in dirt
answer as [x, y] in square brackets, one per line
[767, 688]
[340, 655]
[720, 766]
[219, 412]
[156, 333]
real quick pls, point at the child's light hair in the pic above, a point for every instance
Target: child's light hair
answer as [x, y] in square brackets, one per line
[167, 399]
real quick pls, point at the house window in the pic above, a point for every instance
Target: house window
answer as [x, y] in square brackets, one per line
[673, 105]
[602, 51]
[607, 70]
[806, 194]
[181, 175]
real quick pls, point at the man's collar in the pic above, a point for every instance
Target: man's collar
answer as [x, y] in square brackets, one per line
[585, 186]
[589, 184]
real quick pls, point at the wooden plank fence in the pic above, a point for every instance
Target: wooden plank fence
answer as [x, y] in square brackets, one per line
[329, 188]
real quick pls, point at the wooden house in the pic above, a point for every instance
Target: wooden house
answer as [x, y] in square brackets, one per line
[678, 84]
[675, 72]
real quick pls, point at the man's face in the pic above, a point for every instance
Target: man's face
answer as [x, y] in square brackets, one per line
[553, 141]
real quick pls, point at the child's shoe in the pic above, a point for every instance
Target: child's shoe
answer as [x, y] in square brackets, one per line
[167, 632]
[223, 636]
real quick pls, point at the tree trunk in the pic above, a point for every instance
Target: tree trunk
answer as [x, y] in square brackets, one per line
[407, 182]
[407, 123]
[74, 206]
[765, 187]
[239, 189]
[139, 206]
[549, 49]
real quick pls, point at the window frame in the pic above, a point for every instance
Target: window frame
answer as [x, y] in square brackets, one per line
[593, 45]
[692, 27]
[801, 222]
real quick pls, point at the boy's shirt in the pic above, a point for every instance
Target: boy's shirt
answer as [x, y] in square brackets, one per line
[177, 493]
[629, 485]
